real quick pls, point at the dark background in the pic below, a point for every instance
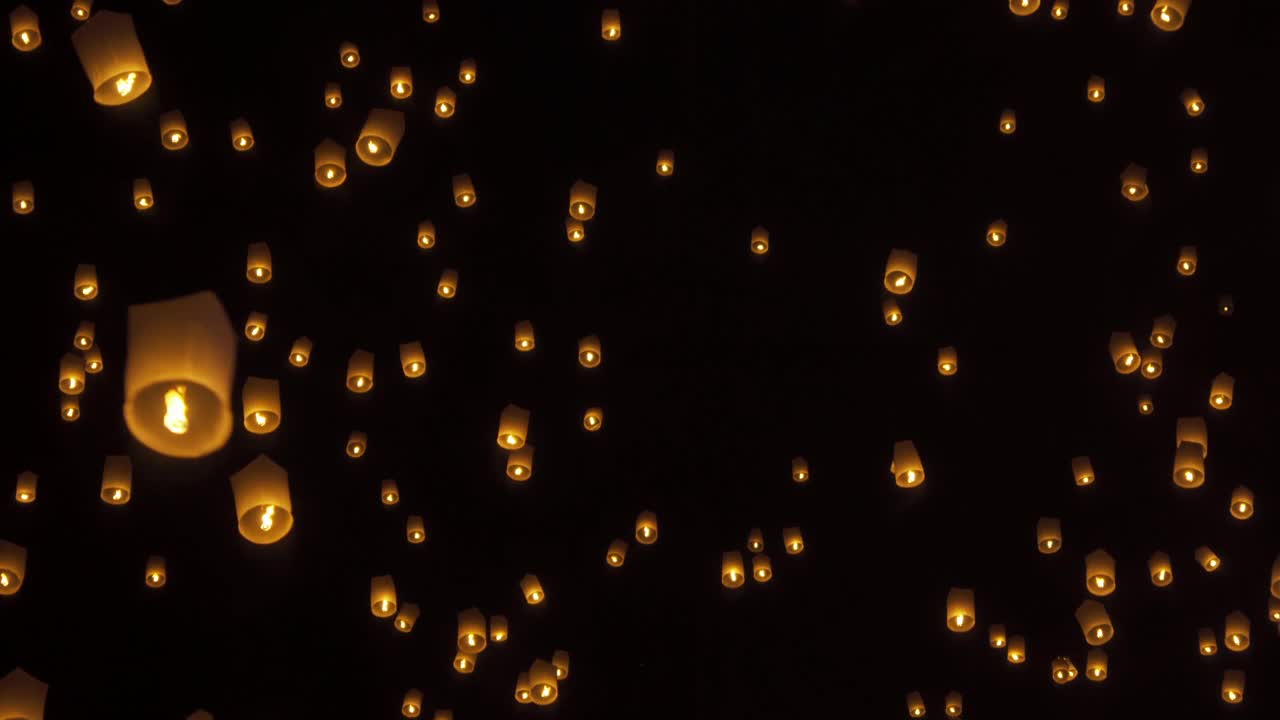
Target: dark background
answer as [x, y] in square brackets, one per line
[846, 128]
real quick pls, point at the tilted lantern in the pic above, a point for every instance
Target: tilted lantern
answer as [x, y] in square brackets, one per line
[907, 469]
[1187, 260]
[24, 29]
[1152, 363]
[380, 136]
[143, 197]
[531, 588]
[960, 610]
[447, 288]
[1208, 559]
[426, 234]
[1192, 102]
[446, 102]
[264, 510]
[84, 336]
[13, 567]
[593, 419]
[616, 555]
[382, 596]
[1146, 405]
[401, 82]
[357, 444]
[69, 408]
[1192, 430]
[953, 704]
[1008, 122]
[799, 469]
[759, 240]
[25, 487]
[112, 58]
[1133, 183]
[900, 272]
[793, 540]
[1082, 471]
[1233, 686]
[1242, 503]
[473, 631]
[260, 400]
[589, 353]
[71, 374]
[1124, 8]
[1016, 653]
[1236, 633]
[241, 135]
[892, 313]
[732, 574]
[560, 660]
[117, 480]
[543, 689]
[1188, 465]
[1168, 15]
[582, 200]
[755, 540]
[1221, 391]
[300, 352]
[360, 372]
[498, 632]
[348, 55]
[1161, 569]
[611, 25]
[24, 197]
[173, 130]
[330, 164]
[997, 233]
[1023, 7]
[467, 71]
[93, 360]
[666, 164]
[513, 427]
[258, 263]
[407, 617]
[389, 492]
[415, 530]
[255, 327]
[996, 636]
[1199, 161]
[574, 230]
[1124, 352]
[1049, 535]
[1100, 573]
[1162, 329]
[411, 706]
[430, 11]
[1207, 643]
[915, 705]
[1096, 89]
[413, 360]
[1063, 670]
[761, 567]
[332, 95]
[520, 463]
[157, 575]
[464, 191]
[647, 528]
[524, 336]
[947, 361]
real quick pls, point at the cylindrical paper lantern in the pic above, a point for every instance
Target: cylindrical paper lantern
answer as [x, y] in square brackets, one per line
[947, 361]
[589, 353]
[261, 405]
[1146, 405]
[1233, 686]
[799, 469]
[1236, 633]
[390, 492]
[447, 288]
[1133, 183]
[1187, 260]
[300, 352]
[1063, 670]
[524, 336]
[332, 95]
[426, 234]
[382, 596]
[1188, 465]
[960, 610]
[1124, 8]
[93, 360]
[330, 164]
[616, 555]
[1193, 430]
[71, 374]
[498, 632]
[24, 197]
[1221, 391]
[513, 427]
[1152, 363]
[1199, 161]
[953, 705]
[1060, 9]
[574, 230]
[996, 636]
[380, 137]
[348, 55]
[732, 574]
[1192, 102]
[263, 506]
[1049, 535]
[413, 360]
[401, 82]
[1100, 573]
[532, 589]
[1096, 89]
[1207, 559]
[464, 191]
[143, 198]
[907, 469]
[467, 71]
[1161, 569]
[112, 58]
[755, 540]
[900, 272]
[793, 540]
[83, 338]
[25, 489]
[255, 327]
[892, 313]
[593, 419]
[1162, 329]
[582, 200]
[520, 463]
[173, 130]
[1023, 7]
[24, 29]
[258, 263]
[997, 233]
[156, 575]
[464, 663]
[610, 25]
[13, 567]
[915, 705]
[1168, 15]
[357, 444]
[1207, 643]
[1242, 503]
[406, 617]
[542, 683]
[411, 706]
[524, 689]
[1016, 653]
[1082, 471]
[759, 240]
[446, 102]
[647, 528]
[666, 164]
[360, 372]
[1008, 122]
[1124, 352]
[69, 409]
[473, 631]
[117, 480]
[415, 530]
[560, 661]
[761, 567]
[430, 11]
[241, 135]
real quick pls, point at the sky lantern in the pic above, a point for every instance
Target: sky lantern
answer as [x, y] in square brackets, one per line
[799, 469]
[446, 102]
[93, 360]
[382, 596]
[1124, 353]
[1061, 8]
[1192, 430]
[389, 493]
[25, 488]
[915, 705]
[997, 233]
[348, 55]
[447, 288]
[22, 696]
[574, 230]
[143, 197]
[1199, 161]
[582, 200]
[948, 363]
[24, 197]
[759, 240]
[401, 82]
[69, 408]
[616, 555]
[178, 372]
[1146, 405]
[900, 272]
[1096, 89]
[430, 12]
[406, 617]
[1187, 260]
[241, 135]
[112, 58]
[531, 588]
[1016, 653]
[1133, 183]
[1162, 329]
[520, 463]
[1236, 633]
[1168, 15]
[892, 313]
[1233, 686]
[1207, 643]
[666, 163]
[524, 689]
[1124, 8]
[1049, 535]
[80, 9]
[1208, 559]
[755, 540]
[907, 469]
[300, 352]
[647, 528]
[1275, 578]
[761, 568]
[1063, 670]
[330, 161]
[513, 427]
[960, 610]
[498, 632]
[413, 360]
[543, 689]
[1192, 103]
[560, 661]
[1221, 391]
[258, 263]
[380, 136]
[415, 530]
[173, 130]
[332, 95]
[255, 327]
[1242, 503]
[1273, 609]
[473, 631]
[996, 637]
[589, 352]
[953, 704]
[156, 574]
[264, 509]
[793, 540]
[1161, 569]
[611, 25]
[71, 374]
[117, 480]
[360, 371]
[593, 419]
[260, 400]
[1152, 362]
[411, 706]
[464, 191]
[1188, 465]
[357, 444]
[524, 339]
[1023, 8]
[24, 29]
[1082, 471]
[732, 574]
[13, 567]
[1100, 573]
[1008, 122]
[467, 71]
[84, 335]
[426, 234]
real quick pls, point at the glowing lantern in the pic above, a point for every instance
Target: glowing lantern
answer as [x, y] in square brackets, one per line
[83, 338]
[1192, 430]
[24, 29]
[543, 688]
[1060, 9]
[332, 95]
[915, 705]
[1221, 391]
[532, 589]
[560, 660]
[24, 197]
[357, 444]
[900, 272]
[1162, 329]
[25, 490]
[907, 469]
[575, 230]
[666, 164]
[258, 263]
[759, 240]
[953, 705]
[520, 463]
[1242, 503]
[1095, 665]
[380, 137]
[610, 25]
[1133, 183]
[156, 575]
[732, 574]
[1063, 670]
[1146, 405]
[498, 629]
[755, 540]
[71, 374]
[761, 568]
[1096, 89]
[446, 102]
[80, 9]
[997, 233]
[464, 191]
[1008, 122]
[1023, 7]
[524, 336]
[69, 408]
[22, 696]
[1152, 363]
[1233, 686]
[1192, 102]
[1161, 569]
[1124, 352]
[1049, 535]
[524, 693]
[793, 540]
[300, 352]
[1207, 643]
[1187, 261]
[13, 568]
[1082, 471]
[415, 530]
[616, 555]
[411, 706]
[589, 354]
[1100, 573]
[1124, 7]
[467, 71]
[1017, 651]
[426, 234]
[241, 135]
[1236, 634]
[472, 631]
[406, 617]
[430, 11]
[390, 492]
[173, 131]
[143, 198]
[382, 596]
[996, 637]
[178, 374]
[892, 313]
[947, 362]
[348, 55]
[447, 288]
[360, 372]
[330, 161]
[117, 480]
[1188, 465]
[1208, 559]
[261, 405]
[1168, 15]
[93, 360]
[263, 506]
[960, 610]
[413, 361]
[112, 58]
[1273, 609]
[464, 663]
[401, 82]
[255, 328]
[513, 427]
[1199, 161]
[1275, 578]
[799, 469]
[647, 528]
[593, 419]
[582, 200]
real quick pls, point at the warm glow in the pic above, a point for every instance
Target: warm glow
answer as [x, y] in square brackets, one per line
[124, 85]
[175, 411]
[118, 494]
[373, 147]
[268, 518]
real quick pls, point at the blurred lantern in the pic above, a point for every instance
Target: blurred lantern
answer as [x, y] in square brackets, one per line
[915, 705]
[464, 663]
[1063, 670]
[996, 637]
[907, 469]
[1199, 161]
[13, 567]
[25, 488]
[24, 29]
[1236, 634]
[1207, 559]
[258, 263]
[1187, 260]
[93, 360]
[1233, 686]
[593, 419]
[647, 528]
[447, 288]
[143, 198]
[997, 233]
[524, 336]
[1207, 643]
[513, 427]
[574, 230]
[382, 596]
[1242, 503]
[610, 25]
[173, 130]
[411, 706]
[616, 555]
[520, 463]
[892, 313]
[732, 574]
[1192, 430]
[473, 631]
[560, 660]
[112, 58]
[24, 197]
[1023, 7]
[380, 136]
[1049, 535]
[1124, 352]
[1161, 569]
[156, 575]
[360, 372]
[1168, 15]
[71, 374]
[1162, 329]
[83, 338]
[1125, 7]
[241, 135]
[953, 705]
[357, 444]
[1273, 609]
[960, 610]
[178, 373]
[348, 55]
[761, 568]
[793, 540]
[330, 161]
[261, 405]
[1017, 651]
[467, 71]
[415, 530]
[263, 507]
[498, 629]
[401, 82]
[1275, 578]
[532, 589]
[426, 234]
[1192, 102]
[300, 353]
[900, 272]
[406, 617]
[1146, 405]
[390, 492]
[413, 361]
[1008, 122]
[430, 11]
[255, 327]
[1096, 89]
[759, 240]
[799, 469]
[947, 362]
[1221, 391]
[1082, 471]
[524, 692]
[1152, 363]
[582, 200]
[117, 480]
[755, 540]
[589, 353]
[1060, 9]
[332, 95]
[22, 696]
[464, 191]
[446, 102]
[666, 164]
[69, 409]
[543, 689]
[1133, 183]
[1188, 465]
[1100, 573]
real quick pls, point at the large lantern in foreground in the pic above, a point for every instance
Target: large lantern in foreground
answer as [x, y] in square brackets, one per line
[112, 58]
[264, 510]
[380, 136]
[22, 696]
[611, 25]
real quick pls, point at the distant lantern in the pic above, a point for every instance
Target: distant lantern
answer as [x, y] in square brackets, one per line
[1242, 503]
[93, 360]
[761, 568]
[997, 233]
[1168, 15]
[473, 631]
[1023, 7]
[543, 689]
[255, 327]
[1208, 559]
[560, 660]
[382, 596]
[593, 419]
[264, 509]
[732, 574]
[1016, 653]
[1273, 609]
[900, 272]
[892, 313]
[380, 136]
[300, 353]
[1233, 686]
[1207, 643]
[261, 403]
[1060, 9]
[348, 55]
[1049, 535]
[71, 374]
[647, 528]
[498, 632]
[793, 540]
[173, 130]
[953, 704]
[401, 82]
[1063, 670]
[178, 373]
[1199, 161]
[467, 71]
[13, 567]
[413, 361]
[357, 444]
[258, 263]
[915, 705]
[582, 200]
[430, 11]
[960, 610]
[1161, 569]
[112, 58]
[755, 540]
[143, 198]
[1192, 430]
[1187, 260]
[69, 408]
[24, 29]
[611, 25]
[389, 492]
[156, 574]
[25, 488]
[520, 463]
[524, 692]
[589, 353]
[616, 555]
[1133, 183]
[574, 230]
[1152, 362]
[1146, 405]
[948, 363]
[332, 95]
[799, 469]
[415, 530]
[24, 197]
[84, 335]
[406, 617]
[524, 336]
[532, 589]
[464, 191]
[996, 637]
[1162, 329]
[360, 372]
[1188, 465]
[1096, 89]
[446, 102]
[1192, 102]
[1100, 573]
[1221, 391]
[241, 135]
[666, 164]
[117, 480]
[907, 469]
[426, 234]
[447, 288]
[1124, 353]
[1082, 471]
[411, 706]
[1236, 633]
[1275, 578]
[513, 427]
[759, 240]
[1008, 122]
[330, 160]
[1124, 7]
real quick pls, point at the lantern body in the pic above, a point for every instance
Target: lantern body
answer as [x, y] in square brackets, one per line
[907, 469]
[22, 697]
[1133, 183]
[1049, 535]
[892, 313]
[1162, 329]
[430, 11]
[1168, 15]
[24, 29]
[1208, 559]
[589, 353]
[799, 469]
[173, 130]
[996, 637]
[13, 567]
[524, 339]
[574, 230]
[593, 419]
[1221, 391]
[732, 574]
[1188, 465]
[1187, 260]
[513, 427]
[1100, 573]
[1008, 122]
[524, 689]
[531, 588]
[761, 568]
[1152, 361]
[348, 55]
[900, 272]
[948, 363]
[330, 160]
[915, 705]
[1124, 353]
[1016, 653]
[473, 631]
[1275, 578]
[357, 444]
[241, 135]
[406, 617]
[1192, 103]
[156, 575]
[380, 136]
[1146, 405]
[24, 197]
[446, 102]
[582, 200]
[997, 233]
[1060, 9]
[360, 372]
[1124, 8]
[1273, 609]
[93, 360]
[616, 555]
[255, 327]
[953, 705]
[112, 58]
[960, 610]
[1096, 89]
[1160, 569]
[1063, 670]
[759, 240]
[71, 374]
[25, 488]
[1192, 430]
[382, 596]
[264, 510]
[520, 463]
[647, 528]
[332, 95]
[1023, 8]
[426, 235]
[793, 540]
[666, 163]
[261, 404]
[1082, 471]
[300, 352]
[464, 663]
[1199, 161]
[447, 288]
[117, 480]
[411, 706]
[415, 530]
[413, 360]
[611, 25]
[389, 492]
[1207, 643]
[755, 540]
[1233, 686]
[498, 632]
[464, 191]
[401, 82]
[1236, 634]
[178, 373]
[258, 263]
[1242, 503]
[69, 408]
[143, 198]
[543, 689]
[467, 71]
[560, 661]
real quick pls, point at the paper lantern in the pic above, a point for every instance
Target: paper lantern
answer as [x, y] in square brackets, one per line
[117, 480]
[593, 419]
[759, 240]
[447, 288]
[996, 637]
[543, 689]
[732, 574]
[330, 161]
[24, 197]
[411, 706]
[560, 661]
[524, 689]
[953, 705]
[382, 596]
[300, 352]
[390, 492]
[1100, 573]
[143, 198]
[1124, 353]
[1152, 362]
[22, 696]
[520, 463]
[532, 589]
[464, 663]
[1124, 8]
[1161, 569]
[1146, 405]
[264, 509]
[112, 58]
[947, 361]
[360, 372]
[380, 136]
[1168, 15]
[25, 489]
[467, 71]
[464, 191]
[761, 568]
[513, 427]
[430, 11]
[574, 230]
[647, 528]
[473, 631]
[173, 130]
[241, 135]
[24, 29]
[1208, 559]
[1096, 89]
[1236, 633]
[1023, 7]
[1187, 260]
[69, 409]
[357, 444]
[446, 102]
[892, 313]
[261, 405]
[426, 234]
[960, 610]
[1060, 9]
[1192, 102]
[1082, 471]
[1273, 609]
[406, 617]
[83, 337]
[1062, 670]
[793, 540]
[1221, 391]
[401, 82]
[907, 469]
[498, 632]
[1199, 161]
[1242, 503]
[156, 575]
[71, 374]
[1008, 122]
[1275, 577]
[1192, 430]
[900, 272]
[1188, 465]
[666, 163]
[915, 705]
[255, 327]
[1162, 329]
[582, 200]
[332, 95]
[1049, 535]
[178, 373]
[93, 360]
[524, 336]
[1133, 183]
[258, 263]
[413, 361]
[610, 25]
[589, 353]
[755, 540]
[1233, 686]
[1016, 653]
[799, 469]
[616, 555]
[348, 55]
[1207, 643]
[997, 233]
[13, 568]
[415, 530]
